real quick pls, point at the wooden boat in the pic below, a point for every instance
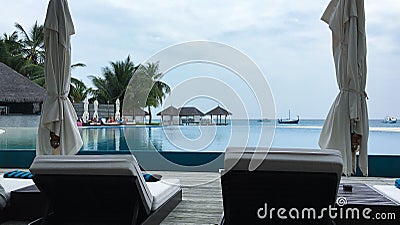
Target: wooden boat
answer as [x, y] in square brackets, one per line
[288, 120]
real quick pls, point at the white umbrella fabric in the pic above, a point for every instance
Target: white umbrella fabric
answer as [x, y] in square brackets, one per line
[96, 108]
[85, 115]
[348, 114]
[58, 117]
[117, 108]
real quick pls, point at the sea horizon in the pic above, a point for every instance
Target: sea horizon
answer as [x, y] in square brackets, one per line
[383, 137]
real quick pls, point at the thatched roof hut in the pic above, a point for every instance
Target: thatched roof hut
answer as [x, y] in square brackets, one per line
[190, 111]
[169, 116]
[170, 111]
[137, 112]
[219, 111]
[15, 88]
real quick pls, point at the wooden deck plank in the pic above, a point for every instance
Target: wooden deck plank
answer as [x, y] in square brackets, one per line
[202, 198]
[201, 201]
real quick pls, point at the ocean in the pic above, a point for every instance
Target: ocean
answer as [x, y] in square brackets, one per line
[384, 138]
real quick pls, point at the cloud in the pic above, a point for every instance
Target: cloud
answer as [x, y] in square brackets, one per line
[284, 37]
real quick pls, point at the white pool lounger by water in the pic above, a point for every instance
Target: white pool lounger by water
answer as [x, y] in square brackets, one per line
[12, 184]
[390, 191]
[102, 189]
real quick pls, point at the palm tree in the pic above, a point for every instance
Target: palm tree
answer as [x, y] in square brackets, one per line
[158, 90]
[11, 52]
[32, 43]
[114, 82]
[11, 43]
[24, 54]
[78, 91]
[37, 72]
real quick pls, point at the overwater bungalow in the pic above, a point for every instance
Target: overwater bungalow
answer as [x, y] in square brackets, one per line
[134, 116]
[219, 112]
[190, 115]
[169, 116]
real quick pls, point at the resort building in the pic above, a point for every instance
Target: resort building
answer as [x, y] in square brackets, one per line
[169, 116]
[190, 116]
[219, 112]
[18, 94]
[134, 116]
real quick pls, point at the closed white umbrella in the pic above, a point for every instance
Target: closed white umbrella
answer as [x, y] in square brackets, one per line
[58, 118]
[117, 108]
[348, 114]
[85, 115]
[96, 108]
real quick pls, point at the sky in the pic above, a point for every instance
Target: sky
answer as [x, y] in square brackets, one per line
[285, 38]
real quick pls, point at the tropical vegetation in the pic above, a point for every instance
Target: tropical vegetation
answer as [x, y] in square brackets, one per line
[23, 50]
[114, 80]
[148, 90]
[158, 89]
[79, 91]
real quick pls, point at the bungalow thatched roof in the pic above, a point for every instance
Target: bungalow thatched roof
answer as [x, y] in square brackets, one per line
[136, 111]
[15, 88]
[218, 111]
[170, 111]
[190, 111]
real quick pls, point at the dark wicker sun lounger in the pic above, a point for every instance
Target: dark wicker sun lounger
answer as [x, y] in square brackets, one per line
[106, 189]
[286, 178]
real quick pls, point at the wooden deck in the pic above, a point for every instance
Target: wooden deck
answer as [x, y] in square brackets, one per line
[202, 198]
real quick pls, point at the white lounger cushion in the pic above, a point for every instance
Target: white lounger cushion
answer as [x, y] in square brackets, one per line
[162, 191]
[156, 193]
[125, 165]
[3, 198]
[11, 184]
[284, 159]
[389, 191]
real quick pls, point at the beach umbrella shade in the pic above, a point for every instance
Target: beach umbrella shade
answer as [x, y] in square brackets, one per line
[85, 115]
[58, 120]
[96, 108]
[346, 127]
[117, 108]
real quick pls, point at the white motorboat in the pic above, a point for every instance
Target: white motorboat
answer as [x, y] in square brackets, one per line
[390, 119]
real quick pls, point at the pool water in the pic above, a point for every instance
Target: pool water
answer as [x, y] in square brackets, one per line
[384, 138]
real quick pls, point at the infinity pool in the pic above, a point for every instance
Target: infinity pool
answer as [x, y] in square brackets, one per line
[384, 139]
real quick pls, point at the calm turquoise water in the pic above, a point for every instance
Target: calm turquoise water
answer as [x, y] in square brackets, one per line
[384, 138]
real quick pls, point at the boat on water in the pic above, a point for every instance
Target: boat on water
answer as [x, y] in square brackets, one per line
[289, 120]
[390, 119]
[264, 120]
